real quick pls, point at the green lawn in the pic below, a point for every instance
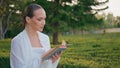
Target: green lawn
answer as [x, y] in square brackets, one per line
[86, 51]
[4, 53]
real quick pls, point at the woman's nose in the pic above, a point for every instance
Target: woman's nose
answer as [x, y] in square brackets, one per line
[43, 22]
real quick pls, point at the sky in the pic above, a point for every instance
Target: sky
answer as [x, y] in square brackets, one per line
[114, 7]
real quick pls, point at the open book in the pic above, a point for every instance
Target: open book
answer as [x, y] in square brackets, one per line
[47, 55]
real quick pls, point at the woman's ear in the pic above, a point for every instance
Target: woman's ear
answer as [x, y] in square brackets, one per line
[27, 19]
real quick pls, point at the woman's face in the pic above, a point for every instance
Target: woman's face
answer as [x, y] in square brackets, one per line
[37, 22]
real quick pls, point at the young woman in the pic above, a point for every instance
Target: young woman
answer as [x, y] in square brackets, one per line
[28, 46]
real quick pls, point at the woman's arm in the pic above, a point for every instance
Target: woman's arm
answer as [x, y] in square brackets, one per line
[16, 56]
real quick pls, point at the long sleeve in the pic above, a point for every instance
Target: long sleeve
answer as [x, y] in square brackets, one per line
[49, 64]
[46, 44]
[19, 54]
[55, 64]
[16, 56]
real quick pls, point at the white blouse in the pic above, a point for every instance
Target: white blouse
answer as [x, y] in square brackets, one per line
[36, 54]
[23, 55]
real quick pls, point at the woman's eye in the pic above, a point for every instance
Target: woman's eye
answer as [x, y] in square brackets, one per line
[39, 19]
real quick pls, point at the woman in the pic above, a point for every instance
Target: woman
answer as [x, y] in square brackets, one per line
[28, 46]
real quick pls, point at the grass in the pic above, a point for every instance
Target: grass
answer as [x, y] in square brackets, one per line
[86, 51]
[5, 53]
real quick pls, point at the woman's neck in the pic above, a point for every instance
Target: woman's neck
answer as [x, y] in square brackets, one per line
[30, 31]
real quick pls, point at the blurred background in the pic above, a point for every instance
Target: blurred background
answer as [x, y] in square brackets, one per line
[92, 27]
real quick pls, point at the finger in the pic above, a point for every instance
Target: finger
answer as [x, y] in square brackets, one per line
[60, 54]
[56, 54]
[53, 56]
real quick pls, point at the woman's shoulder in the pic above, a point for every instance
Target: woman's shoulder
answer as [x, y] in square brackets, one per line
[43, 35]
[18, 36]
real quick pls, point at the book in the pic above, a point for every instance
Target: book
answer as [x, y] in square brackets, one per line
[47, 55]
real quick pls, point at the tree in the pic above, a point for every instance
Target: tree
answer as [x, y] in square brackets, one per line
[83, 14]
[9, 9]
[6, 10]
[57, 16]
[67, 14]
[70, 13]
[118, 21]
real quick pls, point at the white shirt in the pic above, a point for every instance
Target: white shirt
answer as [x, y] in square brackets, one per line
[23, 55]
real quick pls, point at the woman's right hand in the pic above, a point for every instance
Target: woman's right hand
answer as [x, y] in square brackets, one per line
[55, 57]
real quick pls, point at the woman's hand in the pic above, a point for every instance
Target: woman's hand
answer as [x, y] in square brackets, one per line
[55, 57]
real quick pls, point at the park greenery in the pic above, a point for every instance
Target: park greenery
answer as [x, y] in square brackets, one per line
[62, 15]
[65, 19]
[85, 51]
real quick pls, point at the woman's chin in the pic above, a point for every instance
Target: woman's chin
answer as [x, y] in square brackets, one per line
[40, 30]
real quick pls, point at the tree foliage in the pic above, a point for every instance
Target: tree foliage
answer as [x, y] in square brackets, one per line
[66, 14]
[63, 15]
[10, 16]
[7, 8]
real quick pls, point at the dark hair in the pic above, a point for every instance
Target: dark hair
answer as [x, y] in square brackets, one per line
[29, 12]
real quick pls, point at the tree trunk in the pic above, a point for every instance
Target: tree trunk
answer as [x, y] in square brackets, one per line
[1, 30]
[55, 33]
[7, 24]
[55, 37]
